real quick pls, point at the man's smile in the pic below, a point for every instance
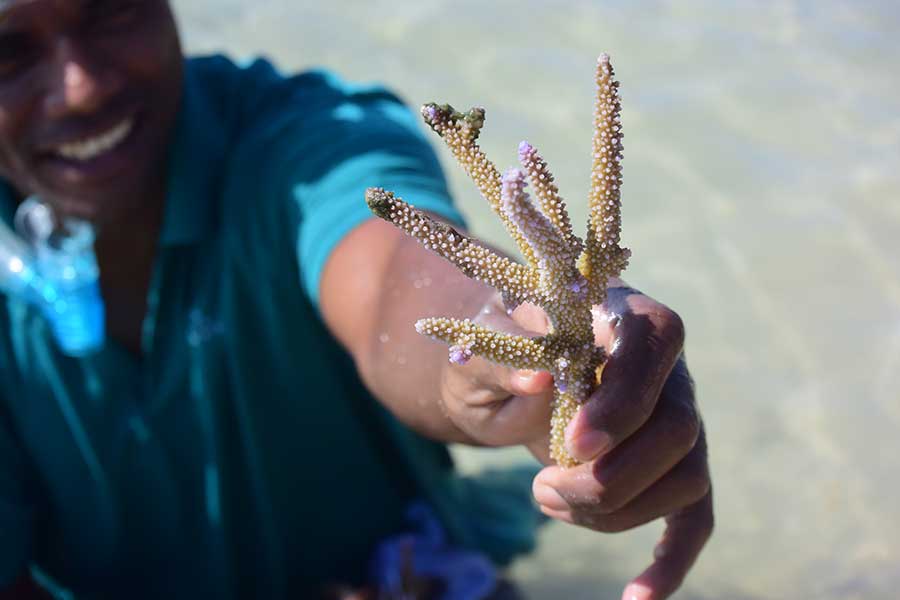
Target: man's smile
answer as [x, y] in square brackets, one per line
[92, 157]
[89, 148]
[89, 97]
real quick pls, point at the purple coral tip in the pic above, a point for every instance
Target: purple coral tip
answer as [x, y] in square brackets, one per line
[579, 286]
[460, 355]
[525, 149]
[514, 175]
[430, 112]
[562, 387]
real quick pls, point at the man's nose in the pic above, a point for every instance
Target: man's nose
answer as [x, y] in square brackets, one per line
[79, 82]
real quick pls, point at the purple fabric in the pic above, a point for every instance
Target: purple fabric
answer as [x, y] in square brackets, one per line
[465, 575]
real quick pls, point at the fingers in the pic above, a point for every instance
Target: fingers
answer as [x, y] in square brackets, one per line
[561, 495]
[495, 381]
[527, 321]
[514, 409]
[683, 495]
[670, 434]
[686, 533]
[644, 340]
[641, 443]
[495, 404]
[617, 478]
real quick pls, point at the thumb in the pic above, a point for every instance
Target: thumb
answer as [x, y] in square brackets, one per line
[527, 321]
[524, 382]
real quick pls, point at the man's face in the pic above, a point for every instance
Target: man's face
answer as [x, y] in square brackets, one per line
[89, 91]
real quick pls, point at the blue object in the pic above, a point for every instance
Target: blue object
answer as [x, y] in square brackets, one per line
[427, 554]
[56, 271]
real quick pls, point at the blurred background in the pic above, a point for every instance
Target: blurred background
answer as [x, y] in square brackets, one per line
[761, 201]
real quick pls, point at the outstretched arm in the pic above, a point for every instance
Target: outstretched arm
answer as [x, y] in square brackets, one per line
[639, 436]
[375, 285]
[634, 447]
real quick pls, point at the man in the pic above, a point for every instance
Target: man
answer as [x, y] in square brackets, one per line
[220, 445]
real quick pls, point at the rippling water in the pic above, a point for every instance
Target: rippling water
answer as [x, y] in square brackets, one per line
[762, 201]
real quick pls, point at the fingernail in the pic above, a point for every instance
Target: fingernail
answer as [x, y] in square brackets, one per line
[549, 497]
[524, 377]
[530, 382]
[636, 591]
[587, 445]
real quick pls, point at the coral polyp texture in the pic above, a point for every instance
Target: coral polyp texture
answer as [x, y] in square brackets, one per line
[562, 274]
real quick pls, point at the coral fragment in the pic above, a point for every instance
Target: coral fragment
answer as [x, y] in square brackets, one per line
[563, 275]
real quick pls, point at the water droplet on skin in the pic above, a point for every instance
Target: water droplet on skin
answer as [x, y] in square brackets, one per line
[613, 319]
[617, 343]
[384, 338]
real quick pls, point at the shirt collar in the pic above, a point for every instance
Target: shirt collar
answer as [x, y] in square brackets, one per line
[196, 154]
[195, 163]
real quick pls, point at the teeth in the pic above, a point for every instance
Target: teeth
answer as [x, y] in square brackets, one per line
[97, 145]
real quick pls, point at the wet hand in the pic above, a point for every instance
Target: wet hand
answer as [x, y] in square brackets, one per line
[642, 444]
[639, 436]
[497, 405]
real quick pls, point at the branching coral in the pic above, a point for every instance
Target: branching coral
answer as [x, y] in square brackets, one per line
[563, 274]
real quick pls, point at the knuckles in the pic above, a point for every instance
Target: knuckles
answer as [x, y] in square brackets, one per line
[670, 328]
[699, 485]
[667, 325]
[608, 511]
[696, 479]
[683, 426]
[706, 522]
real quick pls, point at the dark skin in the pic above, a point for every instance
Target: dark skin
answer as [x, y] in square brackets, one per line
[639, 435]
[75, 70]
[71, 70]
[646, 404]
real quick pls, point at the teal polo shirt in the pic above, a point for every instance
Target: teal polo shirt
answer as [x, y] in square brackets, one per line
[240, 457]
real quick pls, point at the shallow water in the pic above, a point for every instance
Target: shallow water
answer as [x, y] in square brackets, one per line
[761, 200]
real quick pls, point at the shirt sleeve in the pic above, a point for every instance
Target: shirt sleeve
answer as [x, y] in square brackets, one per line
[16, 513]
[363, 137]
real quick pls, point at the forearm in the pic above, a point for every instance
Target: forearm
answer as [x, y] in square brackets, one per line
[400, 283]
[404, 368]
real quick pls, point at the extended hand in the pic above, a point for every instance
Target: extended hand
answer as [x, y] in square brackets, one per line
[639, 436]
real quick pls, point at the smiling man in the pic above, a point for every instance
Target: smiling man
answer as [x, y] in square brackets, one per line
[226, 442]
